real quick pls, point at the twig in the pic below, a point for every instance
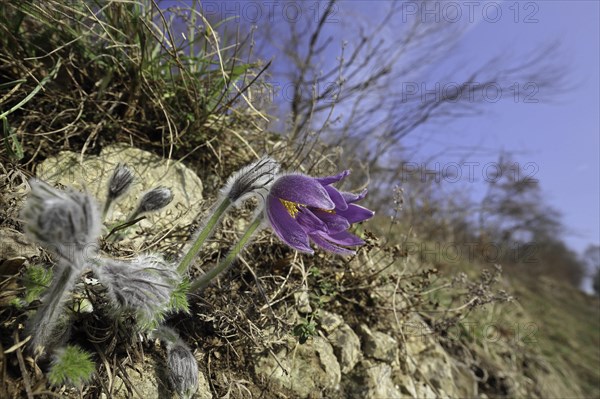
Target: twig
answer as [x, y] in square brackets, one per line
[22, 367]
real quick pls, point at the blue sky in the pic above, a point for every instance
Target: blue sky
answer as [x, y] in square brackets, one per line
[559, 133]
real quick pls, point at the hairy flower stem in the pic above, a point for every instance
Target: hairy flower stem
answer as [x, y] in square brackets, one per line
[106, 207]
[47, 314]
[205, 280]
[204, 234]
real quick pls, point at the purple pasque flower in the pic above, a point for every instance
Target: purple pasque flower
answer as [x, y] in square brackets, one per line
[301, 208]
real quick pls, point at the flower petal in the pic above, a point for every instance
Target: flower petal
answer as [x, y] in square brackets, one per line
[309, 222]
[337, 198]
[285, 226]
[302, 190]
[326, 245]
[356, 213]
[334, 222]
[351, 197]
[333, 179]
[346, 239]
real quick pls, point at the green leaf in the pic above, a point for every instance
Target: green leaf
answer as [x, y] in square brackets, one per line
[179, 301]
[11, 142]
[36, 280]
[71, 365]
[305, 330]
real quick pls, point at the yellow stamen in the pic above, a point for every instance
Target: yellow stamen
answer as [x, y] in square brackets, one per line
[291, 207]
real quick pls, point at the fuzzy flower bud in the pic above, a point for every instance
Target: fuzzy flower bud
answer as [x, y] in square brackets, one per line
[120, 182]
[154, 200]
[65, 222]
[252, 179]
[183, 369]
[182, 365]
[144, 285]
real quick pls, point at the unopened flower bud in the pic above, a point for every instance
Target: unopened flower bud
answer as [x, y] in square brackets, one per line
[182, 365]
[155, 199]
[183, 369]
[252, 179]
[152, 201]
[120, 182]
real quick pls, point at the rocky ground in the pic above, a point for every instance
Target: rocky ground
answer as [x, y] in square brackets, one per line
[185, 105]
[318, 327]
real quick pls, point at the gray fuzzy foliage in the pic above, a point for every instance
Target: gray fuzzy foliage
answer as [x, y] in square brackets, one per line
[182, 365]
[254, 179]
[119, 182]
[65, 222]
[144, 285]
[49, 327]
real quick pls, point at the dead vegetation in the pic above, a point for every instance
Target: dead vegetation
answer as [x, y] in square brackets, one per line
[78, 76]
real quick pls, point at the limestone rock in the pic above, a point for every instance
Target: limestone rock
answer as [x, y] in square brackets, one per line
[310, 368]
[465, 381]
[425, 391]
[378, 381]
[407, 385]
[15, 249]
[428, 363]
[149, 381]
[329, 321]
[93, 172]
[347, 347]
[379, 345]
[15, 244]
[142, 384]
[302, 302]
[203, 391]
